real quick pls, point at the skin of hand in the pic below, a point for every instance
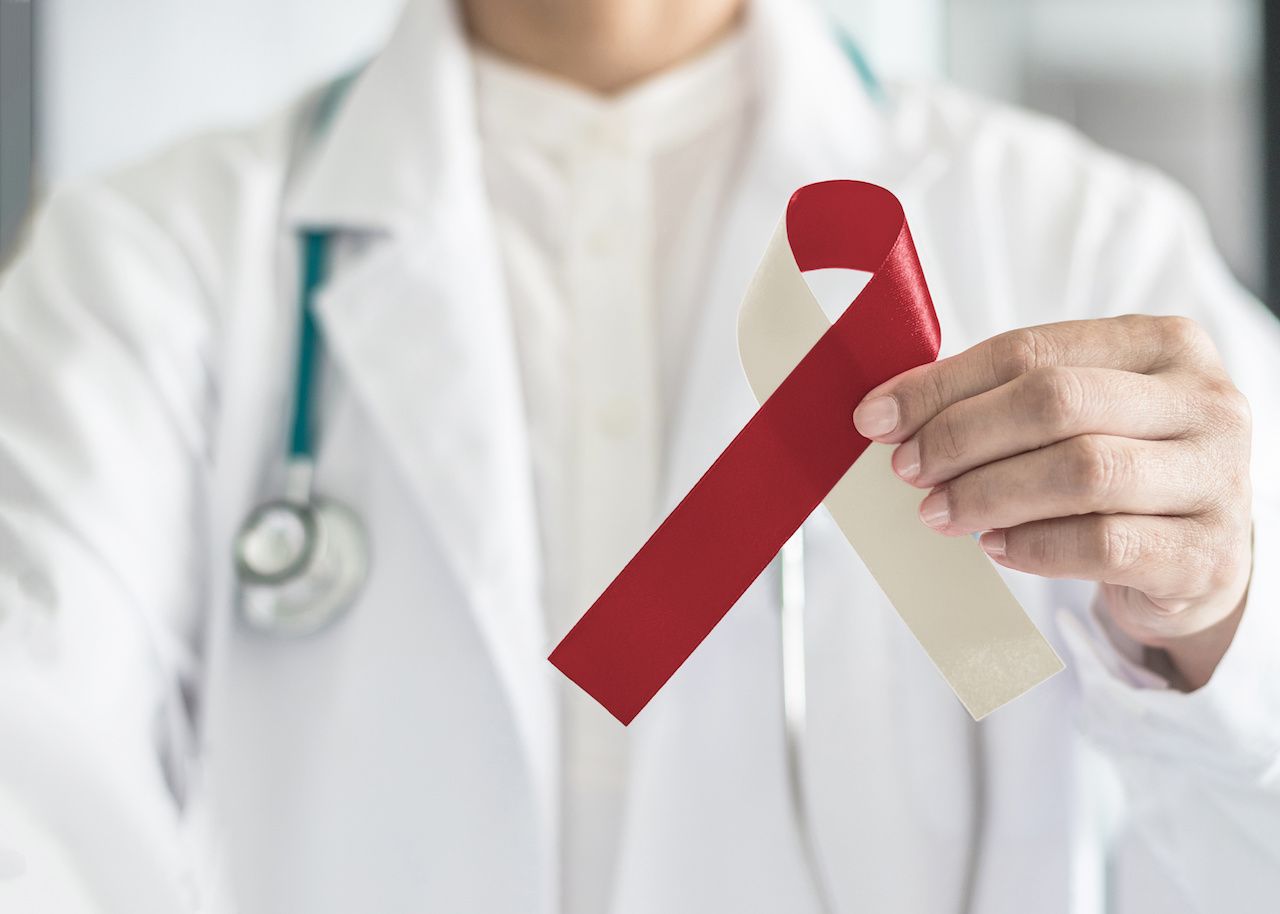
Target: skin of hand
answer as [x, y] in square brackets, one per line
[1112, 450]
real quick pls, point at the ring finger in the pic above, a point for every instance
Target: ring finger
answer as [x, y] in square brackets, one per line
[1038, 409]
[1088, 474]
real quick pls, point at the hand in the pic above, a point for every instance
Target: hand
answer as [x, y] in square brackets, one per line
[1111, 450]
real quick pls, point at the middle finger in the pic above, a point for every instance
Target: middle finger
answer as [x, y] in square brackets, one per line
[1037, 409]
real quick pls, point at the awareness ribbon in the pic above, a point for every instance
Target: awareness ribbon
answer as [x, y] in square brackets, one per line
[799, 450]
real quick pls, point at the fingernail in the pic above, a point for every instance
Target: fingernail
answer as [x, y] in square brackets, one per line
[877, 416]
[992, 543]
[906, 460]
[934, 510]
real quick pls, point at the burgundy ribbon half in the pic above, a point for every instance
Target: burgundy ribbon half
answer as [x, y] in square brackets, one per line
[777, 469]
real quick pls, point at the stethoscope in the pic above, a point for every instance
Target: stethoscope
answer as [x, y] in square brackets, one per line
[303, 558]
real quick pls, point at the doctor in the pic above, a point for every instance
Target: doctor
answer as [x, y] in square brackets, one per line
[540, 220]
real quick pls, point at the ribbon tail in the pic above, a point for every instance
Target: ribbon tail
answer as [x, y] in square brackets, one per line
[945, 589]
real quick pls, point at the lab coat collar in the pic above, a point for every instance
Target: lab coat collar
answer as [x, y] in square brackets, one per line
[401, 150]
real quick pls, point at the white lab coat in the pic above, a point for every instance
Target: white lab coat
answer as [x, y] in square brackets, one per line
[406, 759]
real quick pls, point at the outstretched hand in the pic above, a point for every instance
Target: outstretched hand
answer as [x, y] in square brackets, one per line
[1112, 450]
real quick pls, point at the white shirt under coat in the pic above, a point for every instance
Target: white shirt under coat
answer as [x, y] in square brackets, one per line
[606, 212]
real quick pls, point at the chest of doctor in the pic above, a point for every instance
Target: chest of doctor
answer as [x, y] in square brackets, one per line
[426, 717]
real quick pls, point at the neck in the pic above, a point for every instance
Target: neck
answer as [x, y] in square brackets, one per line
[603, 45]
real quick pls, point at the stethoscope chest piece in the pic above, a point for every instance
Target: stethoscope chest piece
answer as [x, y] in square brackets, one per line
[300, 565]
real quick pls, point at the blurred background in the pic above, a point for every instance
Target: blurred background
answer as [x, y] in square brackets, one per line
[1192, 86]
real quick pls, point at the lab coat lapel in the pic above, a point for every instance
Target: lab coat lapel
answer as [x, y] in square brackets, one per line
[417, 324]
[421, 335]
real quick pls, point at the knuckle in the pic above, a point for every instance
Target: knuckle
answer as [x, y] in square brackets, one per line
[1117, 544]
[1214, 404]
[921, 399]
[1237, 405]
[1036, 545]
[1054, 398]
[1204, 561]
[1226, 547]
[941, 441]
[1018, 352]
[1182, 336]
[1093, 467]
[935, 395]
[1133, 323]
[1230, 407]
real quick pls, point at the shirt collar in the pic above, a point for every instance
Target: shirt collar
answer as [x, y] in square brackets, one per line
[517, 104]
[403, 148]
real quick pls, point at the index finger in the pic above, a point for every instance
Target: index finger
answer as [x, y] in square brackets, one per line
[895, 410]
